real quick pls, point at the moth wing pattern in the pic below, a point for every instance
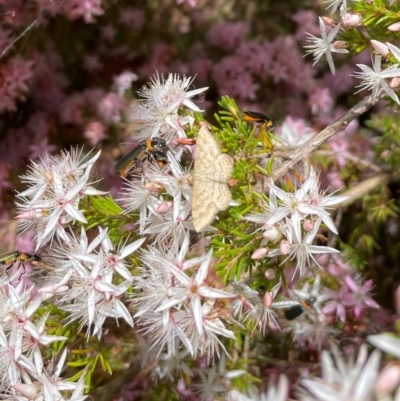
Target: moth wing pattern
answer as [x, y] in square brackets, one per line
[204, 209]
[212, 171]
[223, 168]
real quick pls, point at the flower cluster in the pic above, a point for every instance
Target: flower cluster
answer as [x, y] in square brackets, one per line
[164, 284]
[376, 79]
[157, 114]
[86, 281]
[163, 199]
[177, 306]
[23, 336]
[55, 187]
[207, 315]
[294, 220]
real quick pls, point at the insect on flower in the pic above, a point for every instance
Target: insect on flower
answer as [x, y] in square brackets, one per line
[296, 310]
[212, 172]
[19, 257]
[259, 118]
[152, 149]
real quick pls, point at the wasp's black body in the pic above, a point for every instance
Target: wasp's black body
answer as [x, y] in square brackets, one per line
[19, 257]
[153, 149]
[258, 118]
[296, 310]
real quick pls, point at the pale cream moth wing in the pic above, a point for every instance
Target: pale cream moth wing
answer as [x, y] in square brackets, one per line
[223, 167]
[212, 171]
[223, 198]
[203, 208]
[207, 145]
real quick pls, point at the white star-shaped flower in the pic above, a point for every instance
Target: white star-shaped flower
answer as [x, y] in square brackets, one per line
[374, 78]
[323, 45]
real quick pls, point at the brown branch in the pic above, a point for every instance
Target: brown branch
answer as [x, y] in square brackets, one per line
[364, 187]
[309, 147]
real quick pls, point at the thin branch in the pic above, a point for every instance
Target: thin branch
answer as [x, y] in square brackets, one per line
[309, 147]
[364, 187]
[352, 158]
[29, 27]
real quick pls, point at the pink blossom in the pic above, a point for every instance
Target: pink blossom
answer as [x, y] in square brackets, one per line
[159, 60]
[15, 77]
[341, 82]
[232, 78]
[257, 56]
[192, 3]
[48, 83]
[340, 149]
[86, 9]
[5, 39]
[110, 107]
[4, 177]
[108, 32]
[295, 132]
[123, 82]
[306, 21]
[92, 63]
[227, 35]
[289, 63]
[334, 180]
[358, 296]
[321, 101]
[335, 304]
[132, 17]
[40, 147]
[95, 132]
[72, 109]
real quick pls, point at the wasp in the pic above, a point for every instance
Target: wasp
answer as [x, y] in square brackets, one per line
[152, 149]
[259, 118]
[296, 310]
[19, 257]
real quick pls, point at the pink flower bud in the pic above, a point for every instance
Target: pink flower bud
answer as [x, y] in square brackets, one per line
[284, 247]
[308, 225]
[340, 44]
[380, 48]
[259, 253]
[186, 141]
[270, 274]
[245, 302]
[30, 214]
[394, 27]
[351, 20]
[329, 22]
[153, 186]
[27, 390]
[388, 379]
[164, 207]
[271, 233]
[267, 299]
[394, 83]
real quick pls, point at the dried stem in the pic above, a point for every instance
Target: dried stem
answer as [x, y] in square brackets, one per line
[364, 187]
[309, 147]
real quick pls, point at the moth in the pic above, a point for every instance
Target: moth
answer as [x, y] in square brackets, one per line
[212, 171]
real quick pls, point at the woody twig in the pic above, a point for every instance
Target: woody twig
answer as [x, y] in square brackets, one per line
[309, 147]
